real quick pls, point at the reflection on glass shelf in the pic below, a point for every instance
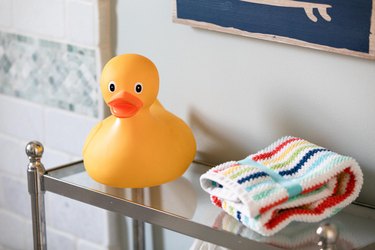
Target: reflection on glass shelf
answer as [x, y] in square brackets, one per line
[355, 232]
[183, 198]
[178, 197]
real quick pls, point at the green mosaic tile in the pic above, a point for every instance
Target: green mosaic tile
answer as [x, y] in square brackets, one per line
[49, 73]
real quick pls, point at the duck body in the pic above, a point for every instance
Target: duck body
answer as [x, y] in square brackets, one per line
[147, 148]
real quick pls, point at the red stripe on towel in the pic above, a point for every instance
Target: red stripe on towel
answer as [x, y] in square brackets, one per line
[273, 152]
[269, 206]
[331, 201]
[216, 201]
[315, 187]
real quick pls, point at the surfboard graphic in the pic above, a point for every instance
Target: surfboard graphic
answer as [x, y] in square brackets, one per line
[346, 27]
[307, 6]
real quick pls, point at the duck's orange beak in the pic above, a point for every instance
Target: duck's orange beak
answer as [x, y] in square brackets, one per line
[124, 105]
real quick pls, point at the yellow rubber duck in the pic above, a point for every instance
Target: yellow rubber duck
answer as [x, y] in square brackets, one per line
[141, 144]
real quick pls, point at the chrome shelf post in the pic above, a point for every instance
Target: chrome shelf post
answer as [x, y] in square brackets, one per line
[35, 172]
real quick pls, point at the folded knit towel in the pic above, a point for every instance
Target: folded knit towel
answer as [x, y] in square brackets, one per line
[290, 180]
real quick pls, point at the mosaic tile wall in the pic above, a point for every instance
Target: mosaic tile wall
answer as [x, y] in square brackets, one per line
[49, 73]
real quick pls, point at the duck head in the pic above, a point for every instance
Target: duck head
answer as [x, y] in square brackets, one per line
[129, 84]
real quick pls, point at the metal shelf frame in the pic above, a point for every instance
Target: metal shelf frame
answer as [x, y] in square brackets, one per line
[40, 181]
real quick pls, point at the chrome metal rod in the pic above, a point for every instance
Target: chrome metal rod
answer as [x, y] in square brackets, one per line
[138, 225]
[328, 236]
[35, 171]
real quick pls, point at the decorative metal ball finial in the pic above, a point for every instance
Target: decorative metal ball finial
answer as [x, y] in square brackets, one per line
[34, 150]
[328, 235]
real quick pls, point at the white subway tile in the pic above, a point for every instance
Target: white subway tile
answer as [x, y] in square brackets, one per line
[85, 245]
[53, 158]
[21, 119]
[40, 17]
[80, 22]
[13, 157]
[13, 231]
[76, 158]
[76, 218]
[66, 131]
[29, 236]
[5, 13]
[58, 240]
[15, 196]
[13, 191]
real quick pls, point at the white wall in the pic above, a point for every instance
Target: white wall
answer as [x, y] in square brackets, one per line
[240, 94]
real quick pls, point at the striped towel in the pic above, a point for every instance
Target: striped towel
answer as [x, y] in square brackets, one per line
[290, 180]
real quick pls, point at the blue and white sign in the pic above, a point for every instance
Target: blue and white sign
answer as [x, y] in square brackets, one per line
[342, 26]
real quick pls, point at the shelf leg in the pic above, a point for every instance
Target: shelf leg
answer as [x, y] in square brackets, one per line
[328, 235]
[35, 171]
[138, 225]
[138, 235]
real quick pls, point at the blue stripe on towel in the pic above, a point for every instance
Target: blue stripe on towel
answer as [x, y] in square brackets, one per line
[304, 159]
[252, 176]
[293, 188]
[239, 216]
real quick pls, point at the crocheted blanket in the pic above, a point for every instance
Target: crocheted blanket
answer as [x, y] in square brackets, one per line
[290, 180]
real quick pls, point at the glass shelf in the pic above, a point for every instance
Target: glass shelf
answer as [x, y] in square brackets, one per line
[182, 206]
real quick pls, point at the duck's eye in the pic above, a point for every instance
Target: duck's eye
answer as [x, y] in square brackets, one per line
[112, 86]
[138, 87]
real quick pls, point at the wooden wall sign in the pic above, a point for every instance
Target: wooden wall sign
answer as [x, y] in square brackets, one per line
[341, 26]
